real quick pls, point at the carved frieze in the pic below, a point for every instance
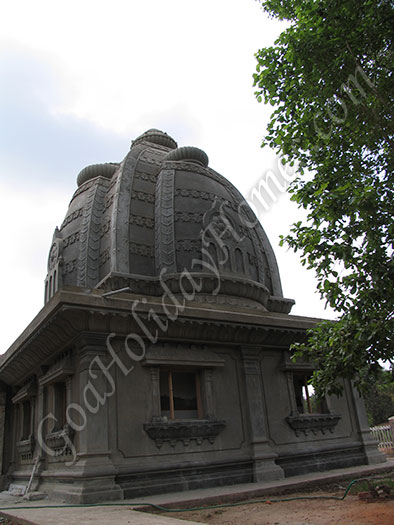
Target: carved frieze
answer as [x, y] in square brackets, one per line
[189, 245]
[83, 188]
[71, 239]
[70, 266]
[184, 216]
[145, 222]
[146, 177]
[185, 432]
[196, 194]
[70, 218]
[185, 166]
[141, 249]
[142, 196]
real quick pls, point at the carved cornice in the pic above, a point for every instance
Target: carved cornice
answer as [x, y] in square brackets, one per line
[280, 304]
[44, 342]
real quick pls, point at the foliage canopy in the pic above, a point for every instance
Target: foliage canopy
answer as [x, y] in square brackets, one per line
[330, 79]
[379, 398]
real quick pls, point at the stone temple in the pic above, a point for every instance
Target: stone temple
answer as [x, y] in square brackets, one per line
[160, 360]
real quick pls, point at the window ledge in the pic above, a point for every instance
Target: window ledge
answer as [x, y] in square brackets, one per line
[314, 423]
[184, 431]
[26, 446]
[57, 441]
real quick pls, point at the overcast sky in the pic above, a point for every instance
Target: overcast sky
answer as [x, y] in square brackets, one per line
[80, 80]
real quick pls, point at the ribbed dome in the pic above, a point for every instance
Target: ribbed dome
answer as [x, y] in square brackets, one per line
[163, 216]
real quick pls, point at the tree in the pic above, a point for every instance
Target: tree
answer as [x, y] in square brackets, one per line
[330, 79]
[379, 399]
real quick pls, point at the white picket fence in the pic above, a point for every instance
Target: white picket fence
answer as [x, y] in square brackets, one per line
[383, 435]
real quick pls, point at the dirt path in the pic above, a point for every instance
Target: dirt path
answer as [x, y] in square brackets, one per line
[300, 512]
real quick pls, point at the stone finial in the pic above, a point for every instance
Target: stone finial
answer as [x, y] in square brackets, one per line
[156, 137]
[189, 154]
[97, 170]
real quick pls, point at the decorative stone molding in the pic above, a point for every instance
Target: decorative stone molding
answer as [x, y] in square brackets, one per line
[58, 441]
[314, 423]
[188, 245]
[71, 239]
[72, 217]
[280, 304]
[70, 266]
[59, 371]
[164, 227]
[146, 222]
[142, 196]
[145, 176]
[173, 432]
[180, 165]
[26, 445]
[105, 228]
[185, 216]
[25, 448]
[104, 257]
[108, 201]
[141, 249]
[182, 355]
[28, 391]
[197, 194]
[83, 188]
[88, 261]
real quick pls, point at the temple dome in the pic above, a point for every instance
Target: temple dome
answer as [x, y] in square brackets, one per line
[163, 215]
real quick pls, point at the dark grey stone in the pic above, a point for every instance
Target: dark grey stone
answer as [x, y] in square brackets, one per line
[160, 269]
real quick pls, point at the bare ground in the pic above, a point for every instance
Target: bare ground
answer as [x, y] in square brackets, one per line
[299, 512]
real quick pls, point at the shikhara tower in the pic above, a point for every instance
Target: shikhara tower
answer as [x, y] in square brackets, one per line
[160, 360]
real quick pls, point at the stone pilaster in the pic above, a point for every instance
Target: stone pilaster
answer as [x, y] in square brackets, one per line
[264, 466]
[371, 452]
[156, 408]
[90, 416]
[207, 393]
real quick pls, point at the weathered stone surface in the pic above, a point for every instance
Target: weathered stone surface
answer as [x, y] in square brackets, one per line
[161, 360]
